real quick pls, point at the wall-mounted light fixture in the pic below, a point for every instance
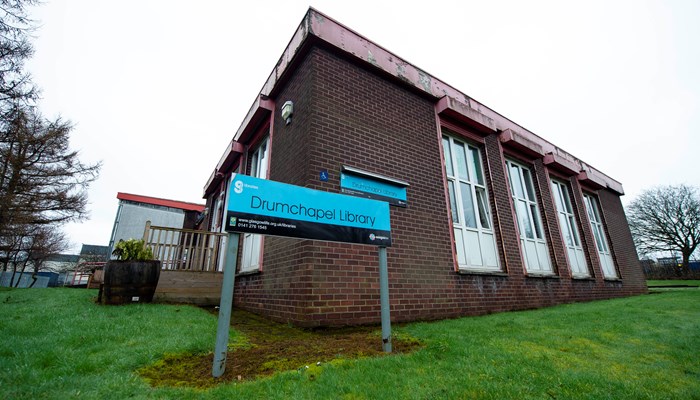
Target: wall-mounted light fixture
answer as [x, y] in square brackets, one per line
[287, 111]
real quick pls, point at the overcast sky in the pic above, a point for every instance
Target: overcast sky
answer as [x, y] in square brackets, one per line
[156, 89]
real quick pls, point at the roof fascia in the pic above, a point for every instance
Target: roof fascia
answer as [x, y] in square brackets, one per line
[160, 202]
[316, 26]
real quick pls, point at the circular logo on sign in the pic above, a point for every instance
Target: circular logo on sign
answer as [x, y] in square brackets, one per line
[371, 236]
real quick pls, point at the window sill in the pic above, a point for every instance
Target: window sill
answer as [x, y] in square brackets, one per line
[542, 275]
[246, 273]
[612, 279]
[583, 278]
[486, 272]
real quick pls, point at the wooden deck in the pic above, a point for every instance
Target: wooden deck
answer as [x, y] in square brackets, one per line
[191, 264]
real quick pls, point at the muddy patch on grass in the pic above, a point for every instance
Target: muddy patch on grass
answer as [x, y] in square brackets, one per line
[269, 348]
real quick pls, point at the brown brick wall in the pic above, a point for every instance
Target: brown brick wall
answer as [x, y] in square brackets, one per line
[587, 238]
[624, 252]
[550, 220]
[346, 115]
[282, 290]
[502, 207]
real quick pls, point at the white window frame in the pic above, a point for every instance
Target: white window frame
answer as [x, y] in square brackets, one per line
[569, 230]
[251, 258]
[222, 224]
[474, 238]
[218, 216]
[601, 241]
[527, 213]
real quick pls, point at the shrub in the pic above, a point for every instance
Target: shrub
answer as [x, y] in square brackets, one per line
[132, 250]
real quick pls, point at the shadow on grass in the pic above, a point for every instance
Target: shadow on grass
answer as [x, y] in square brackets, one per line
[269, 348]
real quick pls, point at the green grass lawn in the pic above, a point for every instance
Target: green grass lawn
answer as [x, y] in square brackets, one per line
[58, 344]
[674, 283]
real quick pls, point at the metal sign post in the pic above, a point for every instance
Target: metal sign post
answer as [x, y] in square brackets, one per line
[225, 306]
[384, 300]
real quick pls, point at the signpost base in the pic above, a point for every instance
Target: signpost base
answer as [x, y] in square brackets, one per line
[384, 300]
[225, 306]
[266, 207]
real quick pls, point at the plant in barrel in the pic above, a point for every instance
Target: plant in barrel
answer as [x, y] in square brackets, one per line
[132, 277]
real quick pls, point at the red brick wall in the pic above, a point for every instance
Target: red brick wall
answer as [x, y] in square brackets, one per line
[587, 238]
[550, 221]
[624, 252]
[346, 115]
[282, 291]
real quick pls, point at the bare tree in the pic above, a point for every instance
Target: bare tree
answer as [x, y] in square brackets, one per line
[43, 184]
[33, 249]
[15, 27]
[46, 242]
[667, 219]
[42, 181]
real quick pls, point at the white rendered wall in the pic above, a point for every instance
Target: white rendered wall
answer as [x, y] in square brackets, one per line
[132, 220]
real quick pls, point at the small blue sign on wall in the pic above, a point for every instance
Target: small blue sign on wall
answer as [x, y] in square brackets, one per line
[356, 182]
[323, 175]
[273, 208]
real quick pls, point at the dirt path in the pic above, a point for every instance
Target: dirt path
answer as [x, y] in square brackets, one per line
[269, 348]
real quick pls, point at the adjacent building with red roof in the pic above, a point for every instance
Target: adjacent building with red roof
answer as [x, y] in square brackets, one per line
[135, 210]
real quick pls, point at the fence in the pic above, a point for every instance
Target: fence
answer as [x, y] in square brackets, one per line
[669, 269]
[185, 249]
[22, 280]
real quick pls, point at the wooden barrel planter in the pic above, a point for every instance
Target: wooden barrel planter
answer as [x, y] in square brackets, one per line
[129, 282]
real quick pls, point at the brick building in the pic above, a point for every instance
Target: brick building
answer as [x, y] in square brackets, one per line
[496, 218]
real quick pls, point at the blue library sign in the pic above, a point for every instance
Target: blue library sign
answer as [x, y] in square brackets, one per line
[273, 208]
[356, 182]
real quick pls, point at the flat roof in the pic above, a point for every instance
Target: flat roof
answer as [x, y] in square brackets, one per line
[183, 205]
[316, 28]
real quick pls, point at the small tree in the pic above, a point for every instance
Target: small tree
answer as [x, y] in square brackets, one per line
[31, 249]
[667, 219]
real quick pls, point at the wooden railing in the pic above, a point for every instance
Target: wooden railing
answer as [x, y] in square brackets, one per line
[185, 249]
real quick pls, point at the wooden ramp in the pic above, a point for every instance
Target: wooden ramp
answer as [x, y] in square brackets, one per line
[190, 287]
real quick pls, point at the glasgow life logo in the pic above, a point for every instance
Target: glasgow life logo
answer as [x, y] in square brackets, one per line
[238, 187]
[374, 237]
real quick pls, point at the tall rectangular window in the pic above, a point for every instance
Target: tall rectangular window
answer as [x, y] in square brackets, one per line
[475, 242]
[594, 216]
[252, 243]
[527, 212]
[569, 230]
